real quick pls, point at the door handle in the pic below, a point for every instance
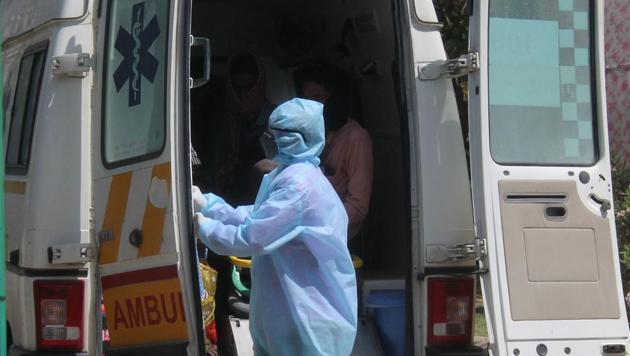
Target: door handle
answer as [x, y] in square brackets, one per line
[135, 238]
[605, 204]
[205, 43]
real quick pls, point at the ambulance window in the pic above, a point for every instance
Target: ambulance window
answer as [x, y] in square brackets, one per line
[6, 97]
[541, 86]
[24, 110]
[5, 105]
[134, 103]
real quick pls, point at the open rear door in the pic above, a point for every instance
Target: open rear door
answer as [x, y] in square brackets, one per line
[141, 179]
[541, 179]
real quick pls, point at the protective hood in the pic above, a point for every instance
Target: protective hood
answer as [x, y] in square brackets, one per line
[298, 129]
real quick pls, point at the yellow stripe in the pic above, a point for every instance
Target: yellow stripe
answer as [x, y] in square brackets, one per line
[115, 216]
[153, 223]
[14, 187]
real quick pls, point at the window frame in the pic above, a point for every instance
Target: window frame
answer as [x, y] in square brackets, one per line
[167, 52]
[22, 169]
[593, 62]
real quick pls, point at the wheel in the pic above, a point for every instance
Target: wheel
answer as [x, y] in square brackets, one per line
[238, 306]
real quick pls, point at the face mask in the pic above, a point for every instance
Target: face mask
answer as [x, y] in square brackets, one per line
[269, 145]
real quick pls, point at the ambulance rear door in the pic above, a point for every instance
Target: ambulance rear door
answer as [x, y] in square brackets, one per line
[141, 171]
[541, 178]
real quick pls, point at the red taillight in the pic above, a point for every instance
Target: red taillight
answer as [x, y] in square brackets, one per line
[450, 303]
[59, 314]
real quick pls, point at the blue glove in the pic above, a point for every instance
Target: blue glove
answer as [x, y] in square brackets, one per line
[211, 232]
[203, 225]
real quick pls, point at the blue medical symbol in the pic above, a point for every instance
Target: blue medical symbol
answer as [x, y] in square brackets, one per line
[134, 47]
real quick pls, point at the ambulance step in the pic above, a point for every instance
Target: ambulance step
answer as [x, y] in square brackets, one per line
[242, 338]
[367, 342]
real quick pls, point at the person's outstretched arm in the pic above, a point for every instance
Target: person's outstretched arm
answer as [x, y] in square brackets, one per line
[276, 222]
[214, 207]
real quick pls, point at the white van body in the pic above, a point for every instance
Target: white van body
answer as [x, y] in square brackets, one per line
[57, 198]
[98, 175]
[48, 198]
[546, 208]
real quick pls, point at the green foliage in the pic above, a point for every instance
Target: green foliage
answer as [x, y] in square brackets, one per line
[454, 15]
[621, 197]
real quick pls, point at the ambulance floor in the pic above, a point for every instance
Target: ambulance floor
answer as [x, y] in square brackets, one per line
[366, 343]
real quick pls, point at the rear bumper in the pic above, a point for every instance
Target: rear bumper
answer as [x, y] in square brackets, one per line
[471, 351]
[16, 351]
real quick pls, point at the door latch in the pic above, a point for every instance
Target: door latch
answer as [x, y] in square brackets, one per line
[71, 253]
[74, 65]
[449, 68]
[604, 204]
[473, 250]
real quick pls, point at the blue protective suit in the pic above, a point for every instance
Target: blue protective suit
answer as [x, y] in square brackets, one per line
[303, 296]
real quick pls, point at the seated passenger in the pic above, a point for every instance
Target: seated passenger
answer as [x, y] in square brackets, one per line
[247, 115]
[347, 158]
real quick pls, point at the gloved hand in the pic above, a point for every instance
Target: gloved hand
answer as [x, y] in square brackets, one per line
[199, 201]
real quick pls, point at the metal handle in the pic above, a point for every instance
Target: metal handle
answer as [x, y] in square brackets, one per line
[205, 42]
[605, 204]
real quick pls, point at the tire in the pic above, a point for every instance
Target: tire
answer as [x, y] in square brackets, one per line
[238, 307]
[9, 337]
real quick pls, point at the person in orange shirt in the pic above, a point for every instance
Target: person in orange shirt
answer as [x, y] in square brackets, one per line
[347, 159]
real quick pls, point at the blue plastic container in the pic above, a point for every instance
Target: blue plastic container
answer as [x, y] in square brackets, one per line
[388, 307]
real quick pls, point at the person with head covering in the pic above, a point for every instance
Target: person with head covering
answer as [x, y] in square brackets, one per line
[303, 296]
[347, 159]
[229, 145]
[246, 118]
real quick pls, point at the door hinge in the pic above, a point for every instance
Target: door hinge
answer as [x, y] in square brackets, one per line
[473, 250]
[74, 65]
[71, 253]
[450, 68]
[105, 235]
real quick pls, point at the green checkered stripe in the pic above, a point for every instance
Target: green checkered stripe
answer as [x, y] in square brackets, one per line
[575, 75]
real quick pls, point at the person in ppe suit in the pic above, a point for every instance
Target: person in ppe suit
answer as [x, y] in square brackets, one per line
[303, 295]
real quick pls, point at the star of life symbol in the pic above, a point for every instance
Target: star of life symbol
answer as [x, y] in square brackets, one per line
[134, 47]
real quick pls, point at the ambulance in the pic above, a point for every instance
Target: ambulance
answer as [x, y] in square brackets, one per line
[99, 100]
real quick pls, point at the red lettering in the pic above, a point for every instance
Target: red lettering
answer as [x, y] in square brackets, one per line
[181, 306]
[149, 310]
[119, 316]
[136, 315]
[169, 319]
[153, 314]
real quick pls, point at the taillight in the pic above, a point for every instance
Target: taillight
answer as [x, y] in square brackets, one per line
[59, 314]
[450, 304]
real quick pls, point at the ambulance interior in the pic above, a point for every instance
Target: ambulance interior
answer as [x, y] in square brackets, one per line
[355, 35]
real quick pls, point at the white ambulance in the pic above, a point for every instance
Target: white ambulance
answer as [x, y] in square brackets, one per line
[98, 97]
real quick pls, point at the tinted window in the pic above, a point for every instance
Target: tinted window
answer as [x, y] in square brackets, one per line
[134, 109]
[5, 98]
[541, 89]
[24, 111]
